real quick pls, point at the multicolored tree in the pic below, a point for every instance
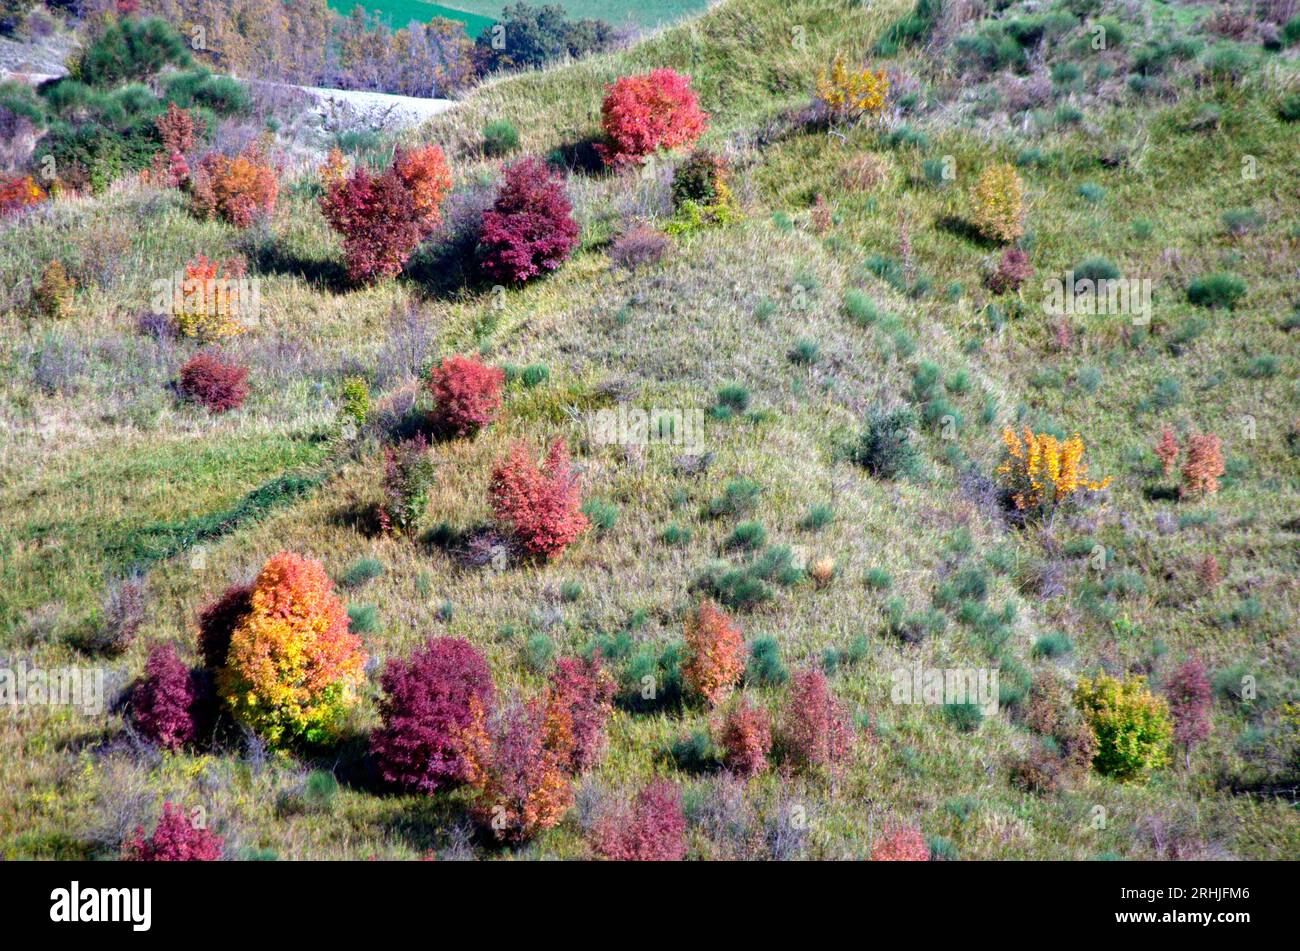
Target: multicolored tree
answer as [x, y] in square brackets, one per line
[293, 667]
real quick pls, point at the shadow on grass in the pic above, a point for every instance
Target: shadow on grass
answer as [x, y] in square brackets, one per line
[325, 274]
[963, 229]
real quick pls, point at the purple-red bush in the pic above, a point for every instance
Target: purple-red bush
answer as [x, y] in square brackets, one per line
[816, 731]
[379, 220]
[1013, 270]
[217, 622]
[540, 504]
[530, 228]
[466, 394]
[212, 383]
[746, 738]
[652, 830]
[162, 703]
[579, 699]
[174, 839]
[427, 703]
[1190, 694]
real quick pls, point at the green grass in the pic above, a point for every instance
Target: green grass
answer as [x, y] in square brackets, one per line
[479, 15]
[396, 14]
[924, 572]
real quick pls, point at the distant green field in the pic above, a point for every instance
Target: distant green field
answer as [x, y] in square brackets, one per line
[398, 13]
[642, 12]
[478, 15]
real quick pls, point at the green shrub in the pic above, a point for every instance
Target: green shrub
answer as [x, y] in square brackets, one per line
[965, 717]
[1095, 270]
[879, 579]
[818, 517]
[765, 667]
[500, 137]
[805, 352]
[1132, 725]
[362, 570]
[747, 535]
[1289, 109]
[537, 653]
[1217, 290]
[676, 535]
[1055, 644]
[885, 448]
[603, 515]
[738, 496]
[363, 618]
[131, 49]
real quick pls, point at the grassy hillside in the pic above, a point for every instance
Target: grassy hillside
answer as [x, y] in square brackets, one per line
[105, 472]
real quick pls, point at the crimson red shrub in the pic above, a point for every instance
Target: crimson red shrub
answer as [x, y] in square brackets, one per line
[427, 703]
[541, 505]
[162, 702]
[530, 227]
[214, 384]
[379, 220]
[651, 111]
[174, 839]
[466, 394]
[817, 733]
[653, 830]
[746, 738]
[579, 700]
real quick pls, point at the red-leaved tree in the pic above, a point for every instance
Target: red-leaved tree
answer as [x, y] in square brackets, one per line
[520, 785]
[530, 228]
[652, 830]
[746, 738]
[426, 176]
[427, 704]
[1190, 693]
[162, 703]
[175, 839]
[213, 383]
[579, 700]
[378, 220]
[647, 112]
[816, 733]
[466, 394]
[540, 504]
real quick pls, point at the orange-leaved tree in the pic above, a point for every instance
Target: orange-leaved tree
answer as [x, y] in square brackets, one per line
[715, 653]
[292, 668]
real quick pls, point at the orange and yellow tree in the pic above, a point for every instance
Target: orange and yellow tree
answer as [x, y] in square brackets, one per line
[293, 667]
[1041, 471]
[715, 653]
[851, 93]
